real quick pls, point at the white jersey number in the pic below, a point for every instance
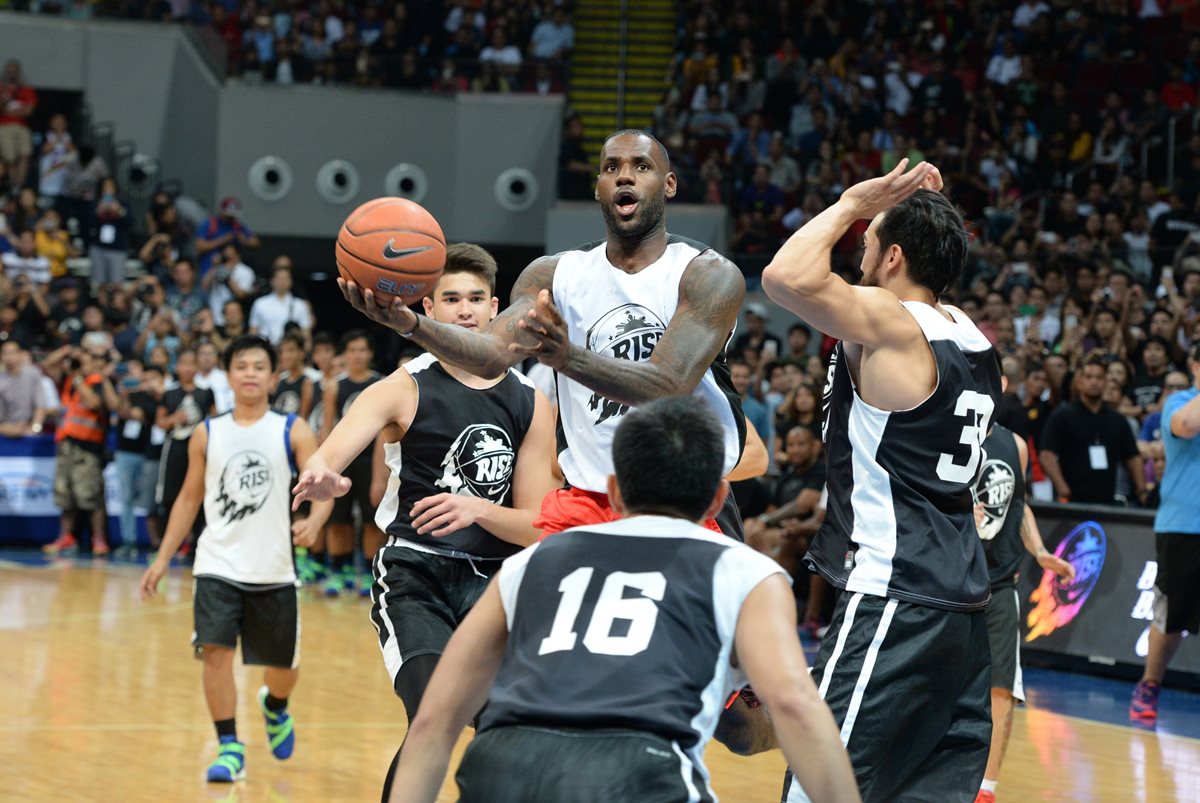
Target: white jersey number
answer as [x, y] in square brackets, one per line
[640, 612]
[977, 409]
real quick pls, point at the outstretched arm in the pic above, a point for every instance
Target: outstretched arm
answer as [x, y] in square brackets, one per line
[484, 353]
[304, 446]
[1031, 536]
[800, 277]
[710, 295]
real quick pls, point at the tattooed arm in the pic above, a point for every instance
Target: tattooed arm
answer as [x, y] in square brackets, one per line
[710, 295]
[484, 353]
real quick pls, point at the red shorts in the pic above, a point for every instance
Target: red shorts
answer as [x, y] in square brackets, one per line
[565, 508]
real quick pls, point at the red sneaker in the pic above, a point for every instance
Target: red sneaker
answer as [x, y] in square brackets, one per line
[99, 547]
[1143, 705]
[64, 544]
[985, 797]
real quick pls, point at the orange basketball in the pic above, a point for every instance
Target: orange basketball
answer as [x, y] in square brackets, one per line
[393, 247]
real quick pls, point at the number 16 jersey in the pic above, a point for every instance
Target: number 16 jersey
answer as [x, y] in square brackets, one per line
[899, 520]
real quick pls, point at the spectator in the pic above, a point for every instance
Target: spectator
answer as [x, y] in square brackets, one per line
[58, 153]
[21, 411]
[798, 337]
[210, 376]
[1150, 435]
[1149, 383]
[30, 313]
[800, 408]
[272, 313]
[52, 242]
[756, 335]
[162, 332]
[504, 57]
[235, 321]
[1005, 66]
[25, 262]
[183, 295]
[751, 143]
[552, 38]
[79, 193]
[222, 228]
[139, 394]
[17, 102]
[109, 242]
[742, 378]
[575, 172]
[1084, 441]
[794, 494]
[229, 279]
[1177, 94]
[785, 171]
[1176, 527]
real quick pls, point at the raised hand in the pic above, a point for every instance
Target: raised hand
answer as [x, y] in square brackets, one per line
[880, 194]
[319, 485]
[1052, 563]
[395, 315]
[544, 334]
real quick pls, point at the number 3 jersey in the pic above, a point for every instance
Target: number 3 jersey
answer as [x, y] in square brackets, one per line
[899, 520]
[628, 625]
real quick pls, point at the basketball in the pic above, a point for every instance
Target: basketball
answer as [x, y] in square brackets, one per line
[392, 247]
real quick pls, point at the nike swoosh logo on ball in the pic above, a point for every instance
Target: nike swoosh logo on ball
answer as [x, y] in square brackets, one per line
[389, 251]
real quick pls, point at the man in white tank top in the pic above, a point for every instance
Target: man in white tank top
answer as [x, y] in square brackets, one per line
[240, 466]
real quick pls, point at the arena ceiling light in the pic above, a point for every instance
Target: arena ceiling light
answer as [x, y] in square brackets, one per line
[338, 181]
[270, 178]
[406, 180]
[516, 189]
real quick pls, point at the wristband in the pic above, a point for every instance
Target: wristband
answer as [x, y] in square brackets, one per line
[412, 331]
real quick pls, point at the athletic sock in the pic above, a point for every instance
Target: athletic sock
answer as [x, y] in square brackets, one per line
[988, 786]
[274, 703]
[226, 730]
[337, 563]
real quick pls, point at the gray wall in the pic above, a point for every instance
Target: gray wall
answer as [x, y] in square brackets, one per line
[148, 80]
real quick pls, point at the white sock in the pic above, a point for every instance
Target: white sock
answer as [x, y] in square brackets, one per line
[988, 786]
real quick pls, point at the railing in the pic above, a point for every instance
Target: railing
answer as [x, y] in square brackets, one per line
[622, 62]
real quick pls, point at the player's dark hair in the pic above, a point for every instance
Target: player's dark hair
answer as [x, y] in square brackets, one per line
[1095, 359]
[637, 132]
[249, 343]
[351, 336]
[669, 456]
[933, 237]
[323, 339]
[295, 339]
[473, 259]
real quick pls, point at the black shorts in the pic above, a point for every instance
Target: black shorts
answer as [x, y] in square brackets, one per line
[419, 598]
[267, 620]
[359, 473]
[1178, 581]
[909, 687]
[528, 764]
[1004, 637]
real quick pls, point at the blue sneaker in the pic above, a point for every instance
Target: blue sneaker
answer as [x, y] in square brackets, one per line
[230, 765]
[1143, 705]
[281, 728]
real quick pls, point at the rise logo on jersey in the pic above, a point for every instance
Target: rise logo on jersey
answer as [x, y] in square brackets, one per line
[479, 463]
[628, 332]
[245, 485]
[995, 493]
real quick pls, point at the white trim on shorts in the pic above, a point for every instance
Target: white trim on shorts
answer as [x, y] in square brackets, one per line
[390, 647]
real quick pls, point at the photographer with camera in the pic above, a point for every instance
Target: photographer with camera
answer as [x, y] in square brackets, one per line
[88, 398]
[149, 299]
[141, 391]
[220, 229]
[230, 279]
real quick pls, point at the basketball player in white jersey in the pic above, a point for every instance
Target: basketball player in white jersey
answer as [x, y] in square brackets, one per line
[604, 654]
[469, 462]
[240, 466]
[912, 385]
[638, 316]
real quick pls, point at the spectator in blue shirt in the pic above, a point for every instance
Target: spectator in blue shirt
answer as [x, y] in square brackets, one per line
[552, 38]
[1151, 431]
[1177, 533]
[219, 229]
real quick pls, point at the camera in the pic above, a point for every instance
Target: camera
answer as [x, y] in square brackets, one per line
[145, 292]
[73, 364]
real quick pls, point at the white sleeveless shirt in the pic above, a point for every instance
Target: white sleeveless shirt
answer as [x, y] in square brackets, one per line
[623, 316]
[247, 501]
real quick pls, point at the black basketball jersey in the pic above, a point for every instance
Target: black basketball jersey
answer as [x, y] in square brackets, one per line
[347, 391]
[629, 625]
[287, 395]
[899, 522]
[461, 441]
[1001, 491]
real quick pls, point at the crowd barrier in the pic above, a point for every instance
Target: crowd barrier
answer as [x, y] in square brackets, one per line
[1100, 621]
[28, 515]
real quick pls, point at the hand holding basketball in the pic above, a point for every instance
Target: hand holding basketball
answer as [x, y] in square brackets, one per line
[394, 315]
[392, 248]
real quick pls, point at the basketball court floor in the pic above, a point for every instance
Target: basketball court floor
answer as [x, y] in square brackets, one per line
[100, 700]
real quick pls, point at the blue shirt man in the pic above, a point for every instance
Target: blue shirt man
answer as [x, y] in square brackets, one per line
[1178, 512]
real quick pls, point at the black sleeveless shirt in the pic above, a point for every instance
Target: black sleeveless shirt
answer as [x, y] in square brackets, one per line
[287, 396]
[461, 441]
[1001, 491]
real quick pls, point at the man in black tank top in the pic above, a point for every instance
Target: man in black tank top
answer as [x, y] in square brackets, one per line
[338, 397]
[468, 462]
[1006, 527]
[293, 393]
[912, 387]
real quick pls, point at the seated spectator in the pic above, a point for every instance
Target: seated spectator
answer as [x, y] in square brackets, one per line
[713, 126]
[798, 338]
[505, 57]
[108, 245]
[800, 408]
[54, 243]
[794, 494]
[183, 295]
[224, 227]
[785, 171]
[750, 145]
[552, 38]
[270, 314]
[760, 195]
[25, 262]
[21, 411]
[230, 278]
[83, 177]
[575, 172]
[757, 336]
[235, 321]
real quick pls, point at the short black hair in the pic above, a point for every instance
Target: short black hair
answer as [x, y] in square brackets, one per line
[249, 343]
[295, 339]
[669, 456]
[799, 327]
[637, 132]
[933, 237]
[323, 339]
[351, 336]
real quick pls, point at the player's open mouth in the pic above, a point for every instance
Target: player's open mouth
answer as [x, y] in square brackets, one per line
[625, 202]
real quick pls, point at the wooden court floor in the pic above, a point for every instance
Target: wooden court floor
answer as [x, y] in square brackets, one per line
[100, 700]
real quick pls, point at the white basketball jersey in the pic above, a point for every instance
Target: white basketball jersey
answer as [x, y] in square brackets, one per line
[247, 501]
[623, 316]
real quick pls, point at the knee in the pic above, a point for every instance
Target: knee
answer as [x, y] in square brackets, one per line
[217, 656]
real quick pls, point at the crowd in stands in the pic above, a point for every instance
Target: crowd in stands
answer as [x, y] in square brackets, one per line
[452, 47]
